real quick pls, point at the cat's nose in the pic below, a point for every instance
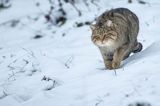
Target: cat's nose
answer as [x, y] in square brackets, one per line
[104, 41]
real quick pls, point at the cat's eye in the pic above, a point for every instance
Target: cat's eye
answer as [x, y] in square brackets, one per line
[95, 38]
[105, 36]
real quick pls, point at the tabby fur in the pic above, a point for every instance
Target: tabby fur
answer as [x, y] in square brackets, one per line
[115, 33]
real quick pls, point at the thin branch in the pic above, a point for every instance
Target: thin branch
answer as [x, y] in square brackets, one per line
[79, 12]
[30, 52]
[68, 62]
[115, 72]
[93, 2]
[4, 95]
[55, 83]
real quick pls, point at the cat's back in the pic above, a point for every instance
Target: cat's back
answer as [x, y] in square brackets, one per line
[123, 12]
[118, 14]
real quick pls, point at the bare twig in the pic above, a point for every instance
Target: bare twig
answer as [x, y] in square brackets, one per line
[99, 101]
[115, 72]
[4, 95]
[19, 18]
[135, 89]
[129, 1]
[55, 83]
[79, 12]
[143, 2]
[93, 2]
[87, 4]
[29, 52]
[5, 4]
[12, 76]
[68, 62]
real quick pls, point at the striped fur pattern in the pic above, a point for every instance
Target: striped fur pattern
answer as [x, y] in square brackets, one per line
[115, 34]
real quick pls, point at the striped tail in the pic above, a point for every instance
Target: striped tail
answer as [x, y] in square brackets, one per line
[138, 48]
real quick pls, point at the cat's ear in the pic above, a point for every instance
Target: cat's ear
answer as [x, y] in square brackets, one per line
[109, 23]
[93, 26]
[112, 14]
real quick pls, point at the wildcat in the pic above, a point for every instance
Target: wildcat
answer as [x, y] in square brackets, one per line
[115, 33]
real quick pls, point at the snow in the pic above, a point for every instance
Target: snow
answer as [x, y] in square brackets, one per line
[64, 68]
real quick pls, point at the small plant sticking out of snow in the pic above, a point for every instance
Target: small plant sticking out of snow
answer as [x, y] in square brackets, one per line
[57, 14]
[140, 104]
[3, 94]
[129, 1]
[80, 24]
[69, 62]
[14, 23]
[25, 64]
[49, 83]
[5, 4]
[37, 36]
[141, 2]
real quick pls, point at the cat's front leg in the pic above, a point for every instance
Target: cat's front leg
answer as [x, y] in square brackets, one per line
[108, 64]
[118, 56]
[116, 64]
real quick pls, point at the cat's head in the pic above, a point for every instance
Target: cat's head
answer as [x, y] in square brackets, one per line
[103, 36]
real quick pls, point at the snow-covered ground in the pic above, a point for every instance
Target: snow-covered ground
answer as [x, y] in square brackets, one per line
[64, 68]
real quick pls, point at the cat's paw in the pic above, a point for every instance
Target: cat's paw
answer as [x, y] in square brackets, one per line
[108, 65]
[115, 65]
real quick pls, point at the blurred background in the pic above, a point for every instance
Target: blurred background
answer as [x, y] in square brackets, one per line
[47, 57]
